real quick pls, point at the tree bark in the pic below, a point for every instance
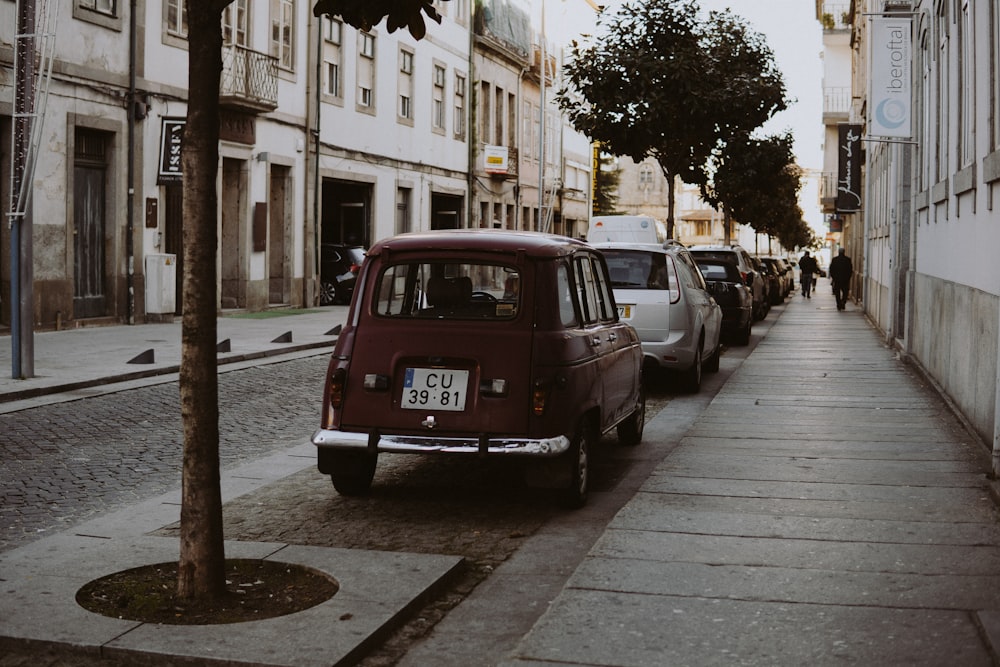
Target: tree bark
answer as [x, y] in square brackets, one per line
[201, 570]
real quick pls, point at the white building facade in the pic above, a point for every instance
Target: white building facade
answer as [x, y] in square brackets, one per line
[328, 135]
[931, 279]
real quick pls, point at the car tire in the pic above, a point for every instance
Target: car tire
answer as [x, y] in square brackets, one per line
[691, 378]
[630, 430]
[743, 337]
[575, 495]
[352, 472]
[712, 363]
[328, 294]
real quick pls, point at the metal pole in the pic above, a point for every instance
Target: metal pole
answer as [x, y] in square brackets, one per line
[541, 130]
[21, 295]
[130, 188]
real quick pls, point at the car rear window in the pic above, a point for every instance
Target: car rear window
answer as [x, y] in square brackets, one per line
[723, 271]
[637, 269]
[448, 290]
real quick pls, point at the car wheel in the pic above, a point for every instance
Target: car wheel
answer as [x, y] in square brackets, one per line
[575, 495]
[328, 293]
[352, 472]
[691, 378]
[743, 337]
[712, 363]
[630, 430]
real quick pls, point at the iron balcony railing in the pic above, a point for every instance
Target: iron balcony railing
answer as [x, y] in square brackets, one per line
[837, 100]
[249, 79]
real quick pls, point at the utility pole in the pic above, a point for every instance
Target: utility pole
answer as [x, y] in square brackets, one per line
[541, 132]
[21, 250]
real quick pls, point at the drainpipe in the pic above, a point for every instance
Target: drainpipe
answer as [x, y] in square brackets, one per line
[130, 205]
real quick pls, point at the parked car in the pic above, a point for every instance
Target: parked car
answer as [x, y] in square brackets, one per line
[486, 343]
[748, 269]
[775, 281]
[338, 271]
[786, 277]
[661, 293]
[726, 285]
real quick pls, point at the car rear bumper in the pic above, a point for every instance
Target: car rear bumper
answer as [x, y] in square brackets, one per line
[375, 442]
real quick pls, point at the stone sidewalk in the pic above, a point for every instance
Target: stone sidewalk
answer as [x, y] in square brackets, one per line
[826, 508]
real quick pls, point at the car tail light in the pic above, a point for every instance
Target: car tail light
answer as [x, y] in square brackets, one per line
[335, 391]
[539, 397]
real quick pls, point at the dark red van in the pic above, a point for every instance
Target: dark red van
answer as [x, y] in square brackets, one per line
[481, 342]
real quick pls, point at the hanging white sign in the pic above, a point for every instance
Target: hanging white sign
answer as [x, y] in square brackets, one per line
[890, 92]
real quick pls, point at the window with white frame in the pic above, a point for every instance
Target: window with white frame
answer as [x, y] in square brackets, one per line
[437, 98]
[176, 18]
[108, 7]
[923, 98]
[941, 93]
[234, 23]
[461, 10]
[405, 84]
[459, 120]
[527, 114]
[333, 57]
[366, 71]
[967, 81]
[283, 32]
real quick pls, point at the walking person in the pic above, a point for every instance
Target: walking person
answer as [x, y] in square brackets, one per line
[807, 267]
[841, 271]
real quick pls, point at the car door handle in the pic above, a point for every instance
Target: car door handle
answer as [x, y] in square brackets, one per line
[612, 337]
[595, 341]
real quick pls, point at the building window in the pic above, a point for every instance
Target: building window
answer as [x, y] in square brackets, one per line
[108, 7]
[923, 111]
[234, 23]
[967, 81]
[941, 94]
[511, 120]
[332, 79]
[437, 98]
[405, 85]
[459, 121]
[498, 117]
[366, 72]
[283, 32]
[403, 210]
[484, 109]
[176, 18]
[333, 31]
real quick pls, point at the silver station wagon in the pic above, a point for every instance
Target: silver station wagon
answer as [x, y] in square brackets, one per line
[660, 291]
[484, 343]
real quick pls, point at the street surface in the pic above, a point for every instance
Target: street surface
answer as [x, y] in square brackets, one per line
[66, 462]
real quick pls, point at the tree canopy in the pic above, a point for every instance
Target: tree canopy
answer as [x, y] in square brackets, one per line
[363, 14]
[660, 81]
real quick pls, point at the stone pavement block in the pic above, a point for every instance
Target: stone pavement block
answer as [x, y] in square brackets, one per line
[588, 627]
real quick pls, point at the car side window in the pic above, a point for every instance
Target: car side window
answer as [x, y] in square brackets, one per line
[586, 289]
[606, 301]
[567, 314]
[699, 280]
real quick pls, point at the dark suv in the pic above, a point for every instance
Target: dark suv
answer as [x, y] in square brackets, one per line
[484, 343]
[748, 270]
[338, 271]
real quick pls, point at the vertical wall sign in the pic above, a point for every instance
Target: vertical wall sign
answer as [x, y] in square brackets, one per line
[890, 93]
[848, 168]
[171, 132]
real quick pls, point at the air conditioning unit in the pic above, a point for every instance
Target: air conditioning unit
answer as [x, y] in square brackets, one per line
[161, 283]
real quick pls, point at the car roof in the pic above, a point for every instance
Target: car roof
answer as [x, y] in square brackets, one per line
[533, 244]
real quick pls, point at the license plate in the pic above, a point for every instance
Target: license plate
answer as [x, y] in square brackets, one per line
[434, 389]
[624, 312]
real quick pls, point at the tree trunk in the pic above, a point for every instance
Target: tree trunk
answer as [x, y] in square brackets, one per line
[201, 570]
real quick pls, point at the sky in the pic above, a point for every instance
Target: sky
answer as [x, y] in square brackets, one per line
[791, 30]
[796, 38]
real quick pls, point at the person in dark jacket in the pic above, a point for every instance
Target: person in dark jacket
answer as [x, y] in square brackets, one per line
[841, 271]
[807, 267]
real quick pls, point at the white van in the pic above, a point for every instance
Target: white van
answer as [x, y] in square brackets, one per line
[626, 229]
